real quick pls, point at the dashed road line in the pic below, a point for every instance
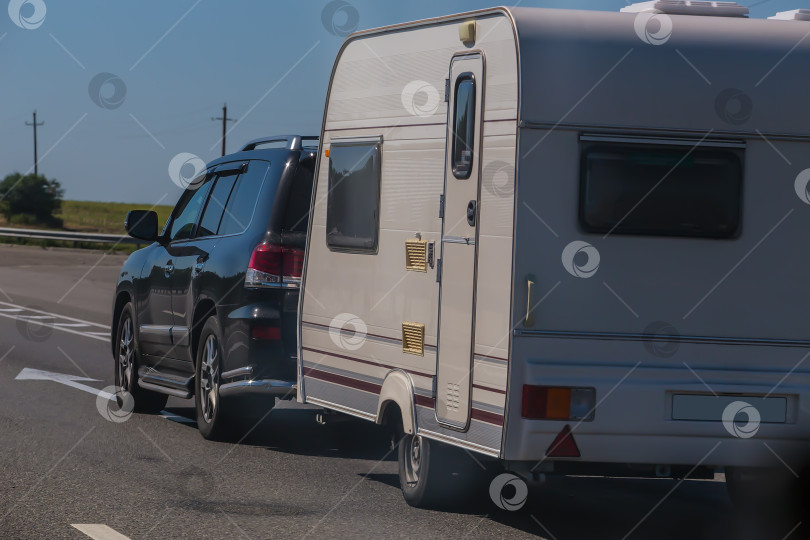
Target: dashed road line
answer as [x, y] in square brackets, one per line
[63, 323]
[99, 531]
[177, 418]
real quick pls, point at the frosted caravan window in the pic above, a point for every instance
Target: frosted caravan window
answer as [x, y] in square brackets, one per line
[464, 126]
[664, 190]
[353, 202]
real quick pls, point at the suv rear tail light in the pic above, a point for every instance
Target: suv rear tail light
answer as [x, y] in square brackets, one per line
[558, 403]
[267, 333]
[272, 265]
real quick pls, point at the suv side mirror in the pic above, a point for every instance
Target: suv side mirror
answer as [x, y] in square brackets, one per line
[142, 224]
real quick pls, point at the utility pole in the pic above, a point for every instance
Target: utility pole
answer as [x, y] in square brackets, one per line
[36, 159]
[225, 121]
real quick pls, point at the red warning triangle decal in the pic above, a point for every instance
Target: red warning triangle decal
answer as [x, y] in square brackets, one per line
[563, 445]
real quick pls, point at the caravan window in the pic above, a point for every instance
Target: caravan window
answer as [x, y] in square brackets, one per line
[353, 202]
[649, 189]
[464, 126]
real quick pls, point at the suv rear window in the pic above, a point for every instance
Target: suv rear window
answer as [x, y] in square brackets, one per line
[242, 202]
[664, 190]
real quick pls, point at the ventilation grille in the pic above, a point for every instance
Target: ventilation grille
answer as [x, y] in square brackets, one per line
[413, 338]
[453, 396]
[416, 255]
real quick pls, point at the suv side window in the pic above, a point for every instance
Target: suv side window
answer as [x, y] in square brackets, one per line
[242, 202]
[214, 210]
[184, 217]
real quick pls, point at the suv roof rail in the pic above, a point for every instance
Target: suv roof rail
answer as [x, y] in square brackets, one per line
[291, 142]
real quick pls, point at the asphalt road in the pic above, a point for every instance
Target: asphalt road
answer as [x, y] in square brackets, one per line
[63, 463]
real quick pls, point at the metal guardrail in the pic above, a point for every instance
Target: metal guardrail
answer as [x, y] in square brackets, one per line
[68, 236]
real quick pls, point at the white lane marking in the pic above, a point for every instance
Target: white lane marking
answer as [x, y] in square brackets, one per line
[177, 418]
[98, 531]
[36, 317]
[71, 324]
[61, 328]
[28, 374]
[54, 315]
[9, 310]
[105, 334]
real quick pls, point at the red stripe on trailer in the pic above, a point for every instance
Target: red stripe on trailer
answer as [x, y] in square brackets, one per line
[488, 417]
[342, 380]
[369, 362]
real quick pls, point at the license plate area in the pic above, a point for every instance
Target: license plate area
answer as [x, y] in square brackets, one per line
[710, 408]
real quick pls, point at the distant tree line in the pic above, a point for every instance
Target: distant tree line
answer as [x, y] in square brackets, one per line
[31, 199]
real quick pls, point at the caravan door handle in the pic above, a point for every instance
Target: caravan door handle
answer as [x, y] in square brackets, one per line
[472, 210]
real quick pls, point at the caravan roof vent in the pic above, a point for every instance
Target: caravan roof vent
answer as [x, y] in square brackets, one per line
[689, 7]
[793, 15]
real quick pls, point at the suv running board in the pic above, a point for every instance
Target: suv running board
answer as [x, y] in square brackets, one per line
[173, 385]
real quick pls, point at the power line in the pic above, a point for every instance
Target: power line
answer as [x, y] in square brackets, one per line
[225, 121]
[35, 124]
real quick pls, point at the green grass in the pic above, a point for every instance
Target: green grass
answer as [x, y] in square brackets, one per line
[86, 216]
[102, 217]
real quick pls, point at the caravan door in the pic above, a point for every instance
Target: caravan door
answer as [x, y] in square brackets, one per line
[458, 249]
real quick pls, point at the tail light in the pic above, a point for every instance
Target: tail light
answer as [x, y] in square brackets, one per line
[266, 333]
[558, 403]
[272, 265]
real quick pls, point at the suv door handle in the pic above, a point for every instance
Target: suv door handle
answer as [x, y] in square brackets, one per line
[199, 267]
[169, 268]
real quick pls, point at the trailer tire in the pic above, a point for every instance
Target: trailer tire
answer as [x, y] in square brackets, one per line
[439, 476]
[423, 474]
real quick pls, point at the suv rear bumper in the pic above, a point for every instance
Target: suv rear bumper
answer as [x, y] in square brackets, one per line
[258, 387]
[261, 367]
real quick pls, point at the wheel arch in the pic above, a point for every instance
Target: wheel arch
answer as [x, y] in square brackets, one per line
[205, 308]
[122, 298]
[397, 392]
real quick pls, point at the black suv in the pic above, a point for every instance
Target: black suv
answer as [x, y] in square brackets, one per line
[208, 310]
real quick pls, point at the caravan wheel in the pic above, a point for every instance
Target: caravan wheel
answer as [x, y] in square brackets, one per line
[425, 475]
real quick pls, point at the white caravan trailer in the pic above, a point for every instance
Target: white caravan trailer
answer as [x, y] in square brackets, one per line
[568, 240]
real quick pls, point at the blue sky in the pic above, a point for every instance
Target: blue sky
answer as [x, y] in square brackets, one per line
[179, 61]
